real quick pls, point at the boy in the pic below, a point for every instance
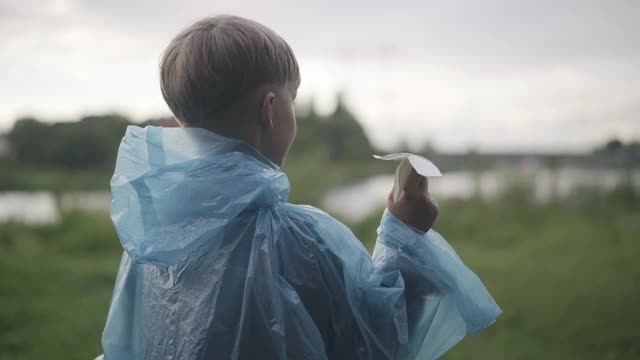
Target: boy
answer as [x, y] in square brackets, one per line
[217, 263]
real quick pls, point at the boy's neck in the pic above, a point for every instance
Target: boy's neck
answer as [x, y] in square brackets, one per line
[249, 137]
[241, 133]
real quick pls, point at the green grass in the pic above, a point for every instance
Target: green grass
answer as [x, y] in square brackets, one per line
[56, 286]
[15, 177]
[566, 275]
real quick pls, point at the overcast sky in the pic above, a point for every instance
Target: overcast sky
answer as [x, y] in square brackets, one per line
[493, 75]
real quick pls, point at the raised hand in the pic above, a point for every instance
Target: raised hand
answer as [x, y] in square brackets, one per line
[415, 205]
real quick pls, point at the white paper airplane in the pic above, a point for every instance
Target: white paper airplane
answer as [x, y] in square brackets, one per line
[422, 165]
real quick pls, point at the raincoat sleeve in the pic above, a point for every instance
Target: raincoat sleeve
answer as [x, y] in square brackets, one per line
[413, 299]
[445, 300]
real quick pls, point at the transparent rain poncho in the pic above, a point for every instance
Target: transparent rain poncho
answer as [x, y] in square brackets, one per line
[218, 265]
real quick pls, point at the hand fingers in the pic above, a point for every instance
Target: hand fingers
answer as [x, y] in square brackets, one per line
[416, 183]
[432, 200]
[424, 184]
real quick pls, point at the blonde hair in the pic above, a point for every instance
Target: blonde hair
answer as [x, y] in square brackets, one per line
[217, 61]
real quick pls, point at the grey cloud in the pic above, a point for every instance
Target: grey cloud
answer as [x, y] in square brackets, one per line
[492, 38]
[499, 30]
[524, 31]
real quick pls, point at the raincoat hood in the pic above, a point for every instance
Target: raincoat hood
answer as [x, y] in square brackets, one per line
[174, 188]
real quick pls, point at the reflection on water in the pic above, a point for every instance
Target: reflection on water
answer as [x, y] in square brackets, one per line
[44, 207]
[355, 202]
[352, 202]
[34, 208]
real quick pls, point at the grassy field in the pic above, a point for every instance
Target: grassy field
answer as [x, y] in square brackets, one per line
[15, 177]
[566, 275]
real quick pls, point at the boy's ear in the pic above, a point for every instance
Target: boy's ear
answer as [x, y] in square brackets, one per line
[267, 118]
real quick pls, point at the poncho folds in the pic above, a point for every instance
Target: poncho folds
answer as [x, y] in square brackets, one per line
[218, 265]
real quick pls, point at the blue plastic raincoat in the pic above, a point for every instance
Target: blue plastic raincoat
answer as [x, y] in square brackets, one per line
[218, 265]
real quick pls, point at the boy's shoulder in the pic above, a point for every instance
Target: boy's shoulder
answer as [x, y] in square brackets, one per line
[323, 227]
[309, 215]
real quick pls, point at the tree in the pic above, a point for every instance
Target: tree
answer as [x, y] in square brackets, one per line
[28, 140]
[344, 134]
[91, 142]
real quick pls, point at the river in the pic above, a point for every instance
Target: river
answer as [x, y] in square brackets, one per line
[353, 202]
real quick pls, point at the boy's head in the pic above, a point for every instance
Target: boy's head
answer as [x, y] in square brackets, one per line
[234, 76]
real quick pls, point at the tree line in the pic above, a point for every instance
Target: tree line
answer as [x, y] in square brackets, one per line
[92, 141]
